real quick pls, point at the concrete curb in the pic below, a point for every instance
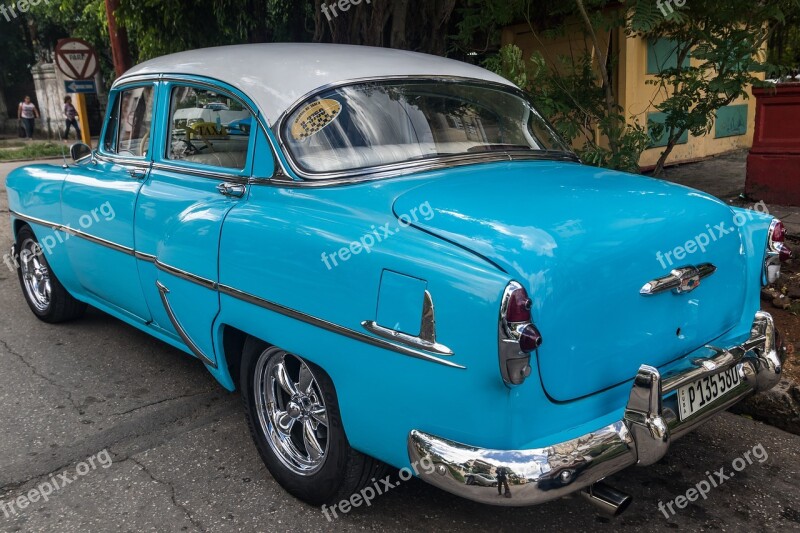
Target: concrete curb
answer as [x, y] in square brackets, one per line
[42, 158]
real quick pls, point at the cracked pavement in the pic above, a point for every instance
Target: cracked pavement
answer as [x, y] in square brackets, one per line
[183, 459]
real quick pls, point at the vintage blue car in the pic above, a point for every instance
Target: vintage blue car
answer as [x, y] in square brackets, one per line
[400, 263]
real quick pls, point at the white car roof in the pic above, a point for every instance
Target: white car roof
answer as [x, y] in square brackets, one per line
[275, 76]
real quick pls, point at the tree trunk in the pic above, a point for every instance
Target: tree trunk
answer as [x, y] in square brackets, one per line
[387, 24]
[602, 63]
[662, 160]
[397, 39]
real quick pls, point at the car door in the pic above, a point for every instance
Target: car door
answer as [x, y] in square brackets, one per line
[99, 200]
[201, 171]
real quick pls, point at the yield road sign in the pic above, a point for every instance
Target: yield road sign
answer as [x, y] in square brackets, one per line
[76, 59]
[80, 86]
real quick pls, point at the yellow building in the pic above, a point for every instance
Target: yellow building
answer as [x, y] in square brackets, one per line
[639, 59]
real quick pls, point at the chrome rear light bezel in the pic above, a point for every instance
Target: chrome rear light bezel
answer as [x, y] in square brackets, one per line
[515, 365]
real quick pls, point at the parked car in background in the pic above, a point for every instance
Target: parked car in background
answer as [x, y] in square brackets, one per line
[400, 263]
[484, 480]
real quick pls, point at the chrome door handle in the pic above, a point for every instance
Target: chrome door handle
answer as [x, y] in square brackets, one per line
[138, 173]
[233, 190]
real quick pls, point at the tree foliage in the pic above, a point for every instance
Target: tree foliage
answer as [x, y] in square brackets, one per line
[575, 91]
[725, 40]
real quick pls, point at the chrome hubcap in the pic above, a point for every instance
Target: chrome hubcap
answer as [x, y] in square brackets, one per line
[35, 275]
[291, 411]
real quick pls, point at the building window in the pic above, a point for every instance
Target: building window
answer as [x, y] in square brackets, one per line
[731, 121]
[658, 142]
[662, 54]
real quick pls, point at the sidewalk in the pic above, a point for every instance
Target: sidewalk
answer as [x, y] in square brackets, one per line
[724, 178]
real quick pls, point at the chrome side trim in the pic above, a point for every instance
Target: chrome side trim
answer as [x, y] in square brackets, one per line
[213, 285]
[642, 436]
[144, 257]
[335, 328]
[188, 276]
[427, 336]
[408, 340]
[75, 232]
[679, 281]
[163, 291]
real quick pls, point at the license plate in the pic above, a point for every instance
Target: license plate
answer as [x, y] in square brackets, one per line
[696, 396]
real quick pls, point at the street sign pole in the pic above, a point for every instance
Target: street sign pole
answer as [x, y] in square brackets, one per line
[83, 117]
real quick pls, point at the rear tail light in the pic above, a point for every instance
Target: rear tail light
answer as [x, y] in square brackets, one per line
[519, 306]
[777, 241]
[530, 339]
[517, 336]
[777, 231]
[777, 252]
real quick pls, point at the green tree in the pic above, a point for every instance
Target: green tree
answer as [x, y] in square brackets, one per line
[574, 91]
[725, 40]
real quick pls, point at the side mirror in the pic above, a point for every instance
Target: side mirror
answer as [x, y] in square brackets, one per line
[79, 151]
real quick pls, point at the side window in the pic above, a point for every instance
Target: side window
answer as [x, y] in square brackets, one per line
[208, 128]
[128, 131]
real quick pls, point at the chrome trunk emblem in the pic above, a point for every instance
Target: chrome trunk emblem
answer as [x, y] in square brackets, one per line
[679, 281]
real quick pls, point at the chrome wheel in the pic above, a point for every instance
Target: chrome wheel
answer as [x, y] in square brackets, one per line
[35, 275]
[291, 411]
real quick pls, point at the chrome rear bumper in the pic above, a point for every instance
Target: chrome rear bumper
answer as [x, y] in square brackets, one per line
[641, 437]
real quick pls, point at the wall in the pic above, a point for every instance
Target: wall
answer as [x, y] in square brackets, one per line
[635, 96]
[50, 93]
[638, 99]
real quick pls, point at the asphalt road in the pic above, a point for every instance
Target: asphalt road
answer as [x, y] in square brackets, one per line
[170, 451]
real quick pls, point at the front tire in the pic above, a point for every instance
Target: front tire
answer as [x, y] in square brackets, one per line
[45, 295]
[293, 414]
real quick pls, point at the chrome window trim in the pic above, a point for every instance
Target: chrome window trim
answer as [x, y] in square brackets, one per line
[123, 161]
[260, 119]
[212, 83]
[201, 173]
[116, 158]
[406, 169]
[408, 166]
[163, 291]
[175, 164]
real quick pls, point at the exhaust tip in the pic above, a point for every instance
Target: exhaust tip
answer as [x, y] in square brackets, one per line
[609, 500]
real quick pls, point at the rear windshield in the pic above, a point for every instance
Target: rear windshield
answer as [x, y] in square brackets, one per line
[387, 123]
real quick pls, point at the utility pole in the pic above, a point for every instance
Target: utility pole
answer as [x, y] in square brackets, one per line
[118, 36]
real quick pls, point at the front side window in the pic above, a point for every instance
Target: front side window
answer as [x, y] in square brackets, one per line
[208, 128]
[128, 131]
[387, 123]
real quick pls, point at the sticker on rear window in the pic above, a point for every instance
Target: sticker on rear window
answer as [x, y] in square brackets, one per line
[315, 117]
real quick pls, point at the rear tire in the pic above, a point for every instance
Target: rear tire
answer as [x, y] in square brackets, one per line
[293, 414]
[46, 297]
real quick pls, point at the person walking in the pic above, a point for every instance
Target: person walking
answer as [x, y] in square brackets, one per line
[27, 114]
[71, 115]
[502, 481]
